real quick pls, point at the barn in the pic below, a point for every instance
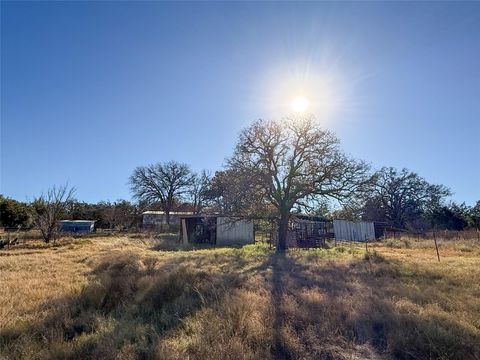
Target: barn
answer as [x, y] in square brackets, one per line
[216, 230]
[77, 226]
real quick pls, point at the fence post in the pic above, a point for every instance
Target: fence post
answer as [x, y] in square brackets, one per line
[436, 246]
[366, 244]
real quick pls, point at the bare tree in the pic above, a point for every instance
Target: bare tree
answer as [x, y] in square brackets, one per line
[296, 163]
[49, 208]
[198, 190]
[164, 183]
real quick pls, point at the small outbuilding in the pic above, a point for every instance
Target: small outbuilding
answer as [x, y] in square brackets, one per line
[77, 226]
[216, 230]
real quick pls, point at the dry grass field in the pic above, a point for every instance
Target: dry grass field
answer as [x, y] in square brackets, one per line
[143, 298]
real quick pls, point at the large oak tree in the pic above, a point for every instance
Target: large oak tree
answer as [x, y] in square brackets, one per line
[294, 162]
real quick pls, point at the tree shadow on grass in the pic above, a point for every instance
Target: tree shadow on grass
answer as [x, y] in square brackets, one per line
[278, 263]
[360, 309]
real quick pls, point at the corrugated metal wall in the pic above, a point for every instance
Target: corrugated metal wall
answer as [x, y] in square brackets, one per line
[353, 231]
[231, 232]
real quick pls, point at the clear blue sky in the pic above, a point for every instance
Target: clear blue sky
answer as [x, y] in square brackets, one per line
[91, 90]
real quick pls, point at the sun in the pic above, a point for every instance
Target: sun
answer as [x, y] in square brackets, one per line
[300, 104]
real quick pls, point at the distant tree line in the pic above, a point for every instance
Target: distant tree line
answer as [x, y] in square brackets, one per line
[118, 215]
[14, 213]
[278, 168]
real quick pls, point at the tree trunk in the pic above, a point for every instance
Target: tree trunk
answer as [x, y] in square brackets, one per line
[283, 231]
[167, 216]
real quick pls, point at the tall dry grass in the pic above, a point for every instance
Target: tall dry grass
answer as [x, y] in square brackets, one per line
[123, 298]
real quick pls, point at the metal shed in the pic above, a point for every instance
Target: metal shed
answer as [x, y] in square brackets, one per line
[216, 230]
[77, 226]
[353, 231]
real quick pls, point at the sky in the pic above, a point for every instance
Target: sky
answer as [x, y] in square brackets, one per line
[90, 90]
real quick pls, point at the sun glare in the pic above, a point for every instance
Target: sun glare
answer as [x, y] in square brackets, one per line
[300, 104]
[298, 89]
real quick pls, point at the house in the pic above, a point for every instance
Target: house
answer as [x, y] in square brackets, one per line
[77, 226]
[216, 230]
